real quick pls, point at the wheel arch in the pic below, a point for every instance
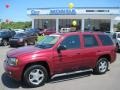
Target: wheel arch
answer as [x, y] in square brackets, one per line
[43, 63]
[106, 56]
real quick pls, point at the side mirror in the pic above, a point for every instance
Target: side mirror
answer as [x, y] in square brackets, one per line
[61, 48]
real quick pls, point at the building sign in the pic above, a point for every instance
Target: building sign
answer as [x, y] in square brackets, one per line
[62, 12]
[97, 10]
[77, 11]
[34, 12]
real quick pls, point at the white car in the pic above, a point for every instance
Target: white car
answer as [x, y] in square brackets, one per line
[116, 38]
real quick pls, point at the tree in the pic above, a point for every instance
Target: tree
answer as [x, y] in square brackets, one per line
[16, 25]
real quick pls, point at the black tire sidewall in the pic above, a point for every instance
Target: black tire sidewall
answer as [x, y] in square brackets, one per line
[117, 47]
[27, 72]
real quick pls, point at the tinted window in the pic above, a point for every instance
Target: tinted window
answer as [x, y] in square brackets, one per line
[71, 42]
[114, 36]
[20, 35]
[90, 41]
[105, 39]
[118, 36]
[3, 33]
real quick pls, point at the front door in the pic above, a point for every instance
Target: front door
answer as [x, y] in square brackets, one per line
[68, 59]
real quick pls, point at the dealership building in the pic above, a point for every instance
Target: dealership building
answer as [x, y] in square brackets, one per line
[86, 18]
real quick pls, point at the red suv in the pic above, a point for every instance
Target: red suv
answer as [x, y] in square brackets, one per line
[60, 53]
[48, 31]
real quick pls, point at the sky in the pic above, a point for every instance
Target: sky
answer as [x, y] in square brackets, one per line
[18, 8]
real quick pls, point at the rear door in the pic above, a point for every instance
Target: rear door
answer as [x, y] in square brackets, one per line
[89, 52]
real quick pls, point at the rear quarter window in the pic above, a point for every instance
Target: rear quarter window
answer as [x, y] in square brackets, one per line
[105, 39]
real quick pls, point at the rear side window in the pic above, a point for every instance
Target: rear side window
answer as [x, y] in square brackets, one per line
[114, 36]
[90, 41]
[105, 39]
[71, 42]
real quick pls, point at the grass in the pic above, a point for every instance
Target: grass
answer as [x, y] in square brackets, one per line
[40, 38]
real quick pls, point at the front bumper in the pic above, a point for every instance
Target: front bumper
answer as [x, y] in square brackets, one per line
[16, 43]
[13, 72]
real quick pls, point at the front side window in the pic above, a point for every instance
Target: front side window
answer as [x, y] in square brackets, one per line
[118, 36]
[3, 33]
[90, 41]
[71, 42]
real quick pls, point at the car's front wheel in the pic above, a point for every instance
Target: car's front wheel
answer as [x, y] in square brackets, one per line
[35, 76]
[101, 66]
[25, 43]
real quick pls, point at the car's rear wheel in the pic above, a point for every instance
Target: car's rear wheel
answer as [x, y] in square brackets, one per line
[35, 41]
[117, 47]
[35, 76]
[43, 34]
[101, 66]
[5, 43]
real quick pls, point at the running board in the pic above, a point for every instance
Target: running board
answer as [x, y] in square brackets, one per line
[70, 73]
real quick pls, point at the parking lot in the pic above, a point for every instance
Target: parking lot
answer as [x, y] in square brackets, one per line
[80, 81]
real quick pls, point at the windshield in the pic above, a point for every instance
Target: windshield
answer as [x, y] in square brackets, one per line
[19, 35]
[48, 42]
[2, 33]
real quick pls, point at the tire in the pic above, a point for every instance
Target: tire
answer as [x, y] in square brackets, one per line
[43, 34]
[34, 42]
[101, 66]
[5, 43]
[117, 47]
[25, 43]
[32, 78]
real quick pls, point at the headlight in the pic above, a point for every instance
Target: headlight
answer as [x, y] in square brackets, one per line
[12, 61]
[0, 39]
[21, 39]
